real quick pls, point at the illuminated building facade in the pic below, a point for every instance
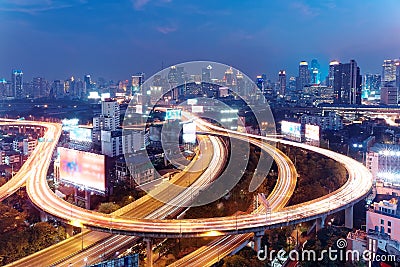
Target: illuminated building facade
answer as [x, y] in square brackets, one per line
[304, 76]
[17, 84]
[347, 83]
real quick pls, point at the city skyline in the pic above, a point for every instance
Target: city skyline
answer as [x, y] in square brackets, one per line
[115, 41]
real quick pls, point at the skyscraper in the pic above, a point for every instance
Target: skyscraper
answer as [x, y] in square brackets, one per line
[397, 64]
[347, 83]
[315, 72]
[3, 88]
[388, 72]
[87, 84]
[136, 84]
[17, 84]
[304, 76]
[389, 95]
[292, 84]
[39, 87]
[206, 74]
[331, 73]
[228, 77]
[371, 86]
[282, 82]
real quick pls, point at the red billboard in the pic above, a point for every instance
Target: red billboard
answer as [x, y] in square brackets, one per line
[82, 168]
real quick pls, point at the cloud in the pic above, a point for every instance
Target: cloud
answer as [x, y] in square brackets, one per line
[139, 4]
[36, 6]
[305, 10]
[166, 29]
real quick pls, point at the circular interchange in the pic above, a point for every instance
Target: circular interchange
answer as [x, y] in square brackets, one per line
[211, 91]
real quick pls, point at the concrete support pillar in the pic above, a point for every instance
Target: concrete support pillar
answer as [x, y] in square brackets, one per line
[348, 217]
[257, 240]
[149, 252]
[43, 217]
[75, 195]
[87, 199]
[69, 229]
[320, 223]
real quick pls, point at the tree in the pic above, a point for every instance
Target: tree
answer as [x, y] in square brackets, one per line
[10, 218]
[108, 207]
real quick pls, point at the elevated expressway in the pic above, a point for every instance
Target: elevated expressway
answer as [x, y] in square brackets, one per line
[203, 169]
[101, 243]
[357, 187]
[43, 150]
[279, 197]
[216, 250]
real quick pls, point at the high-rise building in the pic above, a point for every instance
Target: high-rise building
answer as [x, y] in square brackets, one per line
[228, 77]
[176, 77]
[206, 74]
[17, 84]
[39, 86]
[315, 72]
[260, 82]
[292, 84]
[3, 88]
[110, 109]
[347, 83]
[388, 71]
[282, 82]
[304, 76]
[57, 89]
[240, 83]
[371, 86]
[331, 73]
[389, 95]
[398, 74]
[87, 84]
[136, 84]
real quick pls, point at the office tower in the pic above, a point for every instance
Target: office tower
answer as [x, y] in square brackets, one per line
[57, 89]
[260, 82]
[397, 64]
[109, 119]
[17, 84]
[206, 74]
[87, 84]
[304, 76]
[389, 95]
[228, 77]
[292, 84]
[315, 72]
[136, 84]
[282, 82]
[240, 84]
[176, 77]
[39, 87]
[371, 86]
[347, 83]
[110, 108]
[388, 72]
[331, 73]
[3, 88]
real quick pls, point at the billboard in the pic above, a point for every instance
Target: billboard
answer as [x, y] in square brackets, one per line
[291, 130]
[173, 114]
[80, 134]
[82, 169]
[189, 132]
[197, 109]
[311, 132]
[192, 101]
